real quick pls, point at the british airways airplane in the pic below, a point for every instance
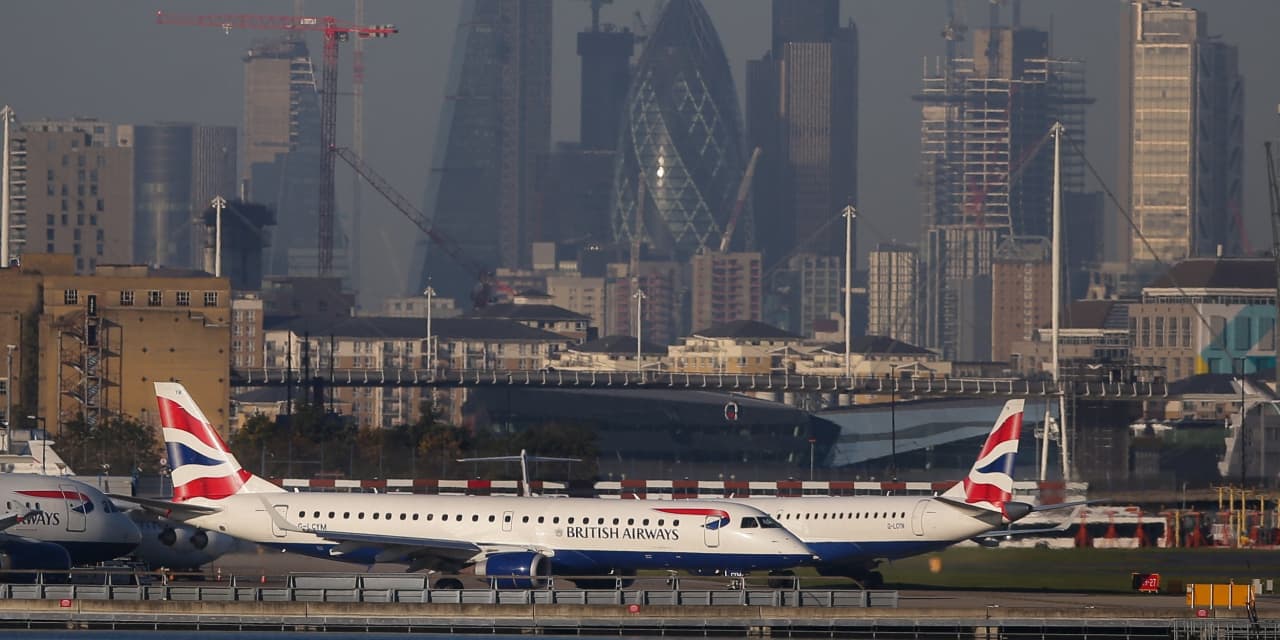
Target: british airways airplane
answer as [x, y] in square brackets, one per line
[853, 535]
[52, 523]
[520, 539]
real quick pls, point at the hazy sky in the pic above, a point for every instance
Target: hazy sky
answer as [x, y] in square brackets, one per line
[110, 60]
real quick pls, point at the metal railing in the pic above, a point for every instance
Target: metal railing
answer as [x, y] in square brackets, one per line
[752, 382]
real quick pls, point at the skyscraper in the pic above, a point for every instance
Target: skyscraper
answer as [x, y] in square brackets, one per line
[1184, 135]
[681, 140]
[282, 147]
[892, 277]
[494, 129]
[178, 169]
[606, 75]
[986, 170]
[802, 100]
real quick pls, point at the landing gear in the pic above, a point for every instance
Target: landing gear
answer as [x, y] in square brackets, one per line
[873, 580]
[782, 579]
[450, 584]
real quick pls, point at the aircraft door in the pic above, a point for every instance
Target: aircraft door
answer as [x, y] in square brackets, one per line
[917, 517]
[283, 511]
[711, 531]
[77, 507]
[507, 517]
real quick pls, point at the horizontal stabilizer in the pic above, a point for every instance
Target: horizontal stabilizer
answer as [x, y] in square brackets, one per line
[167, 508]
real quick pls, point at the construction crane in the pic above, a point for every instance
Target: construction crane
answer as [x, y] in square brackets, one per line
[743, 190]
[1273, 196]
[487, 284]
[334, 31]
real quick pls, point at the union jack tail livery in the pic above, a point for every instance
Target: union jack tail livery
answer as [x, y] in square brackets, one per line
[199, 461]
[989, 484]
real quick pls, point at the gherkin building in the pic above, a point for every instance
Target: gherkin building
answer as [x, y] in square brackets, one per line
[682, 138]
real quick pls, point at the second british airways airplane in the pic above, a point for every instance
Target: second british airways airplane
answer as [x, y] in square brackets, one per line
[852, 535]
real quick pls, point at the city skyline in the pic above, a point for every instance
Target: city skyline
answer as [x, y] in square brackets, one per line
[199, 78]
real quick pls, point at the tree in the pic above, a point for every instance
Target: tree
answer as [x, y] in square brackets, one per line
[117, 445]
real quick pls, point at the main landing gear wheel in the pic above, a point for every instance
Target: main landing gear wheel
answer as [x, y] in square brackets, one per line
[451, 584]
[874, 580]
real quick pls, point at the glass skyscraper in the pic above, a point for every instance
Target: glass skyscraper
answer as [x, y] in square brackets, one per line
[681, 139]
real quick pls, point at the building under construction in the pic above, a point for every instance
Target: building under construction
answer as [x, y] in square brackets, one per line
[986, 170]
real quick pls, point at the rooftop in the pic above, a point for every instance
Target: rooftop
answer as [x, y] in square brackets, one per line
[1219, 273]
[409, 328]
[625, 345]
[513, 311]
[878, 345]
[746, 329]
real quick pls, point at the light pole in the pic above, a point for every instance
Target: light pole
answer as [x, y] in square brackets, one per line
[219, 203]
[893, 422]
[639, 296]
[6, 114]
[431, 352]
[8, 399]
[44, 443]
[849, 214]
[1244, 451]
[812, 441]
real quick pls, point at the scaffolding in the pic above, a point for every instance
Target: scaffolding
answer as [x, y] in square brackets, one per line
[88, 367]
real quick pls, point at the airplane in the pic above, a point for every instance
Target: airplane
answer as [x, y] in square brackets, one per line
[515, 541]
[178, 546]
[55, 522]
[853, 535]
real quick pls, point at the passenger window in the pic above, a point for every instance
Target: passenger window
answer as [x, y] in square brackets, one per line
[541, 519]
[492, 518]
[346, 515]
[524, 519]
[660, 521]
[404, 516]
[506, 517]
[330, 515]
[570, 519]
[430, 516]
[675, 523]
[388, 516]
[415, 516]
[302, 514]
[360, 516]
[316, 515]
[475, 517]
[616, 521]
[631, 521]
[375, 515]
[555, 520]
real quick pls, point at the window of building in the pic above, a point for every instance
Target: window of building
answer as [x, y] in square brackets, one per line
[1146, 332]
[1159, 330]
[126, 298]
[1218, 327]
[70, 296]
[183, 299]
[154, 298]
[1186, 331]
[211, 298]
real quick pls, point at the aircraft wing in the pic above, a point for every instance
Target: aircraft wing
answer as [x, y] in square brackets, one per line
[174, 510]
[1069, 505]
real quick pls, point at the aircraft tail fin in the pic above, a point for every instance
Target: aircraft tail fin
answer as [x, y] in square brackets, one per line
[199, 461]
[989, 484]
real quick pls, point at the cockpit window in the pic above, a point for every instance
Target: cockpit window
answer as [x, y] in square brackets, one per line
[749, 523]
[769, 523]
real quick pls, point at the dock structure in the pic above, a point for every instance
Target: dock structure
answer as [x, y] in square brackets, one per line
[403, 603]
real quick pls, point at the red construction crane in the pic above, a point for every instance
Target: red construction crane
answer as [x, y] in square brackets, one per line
[335, 31]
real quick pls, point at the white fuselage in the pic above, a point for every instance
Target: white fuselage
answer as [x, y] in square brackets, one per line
[856, 530]
[577, 534]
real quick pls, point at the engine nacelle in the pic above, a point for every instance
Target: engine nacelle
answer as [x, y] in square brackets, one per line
[516, 570]
[17, 556]
[179, 546]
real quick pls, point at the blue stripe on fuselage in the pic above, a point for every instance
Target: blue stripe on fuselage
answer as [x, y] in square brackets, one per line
[571, 561]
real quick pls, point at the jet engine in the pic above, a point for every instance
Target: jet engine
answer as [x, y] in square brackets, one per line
[179, 546]
[516, 570]
[19, 555]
